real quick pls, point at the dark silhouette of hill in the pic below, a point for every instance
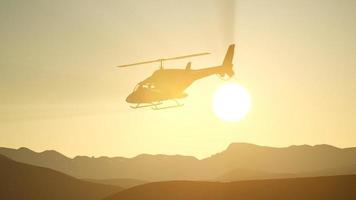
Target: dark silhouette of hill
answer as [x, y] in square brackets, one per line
[242, 161]
[22, 181]
[316, 188]
[244, 174]
[121, 182]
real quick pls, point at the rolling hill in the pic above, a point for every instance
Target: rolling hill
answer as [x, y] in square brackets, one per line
[316, 188]
[22, 181]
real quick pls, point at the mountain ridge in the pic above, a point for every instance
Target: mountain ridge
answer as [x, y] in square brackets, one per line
[294, 159]
[230, 146]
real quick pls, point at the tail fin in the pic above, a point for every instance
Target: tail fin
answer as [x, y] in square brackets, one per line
[227, 64]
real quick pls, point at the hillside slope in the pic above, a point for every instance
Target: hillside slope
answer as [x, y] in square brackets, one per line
[22, 181]
[317, 188]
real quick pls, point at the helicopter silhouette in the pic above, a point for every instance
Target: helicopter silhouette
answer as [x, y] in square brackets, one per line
[170, 84]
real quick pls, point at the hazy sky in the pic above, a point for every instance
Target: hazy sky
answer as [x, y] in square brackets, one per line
[59, 88]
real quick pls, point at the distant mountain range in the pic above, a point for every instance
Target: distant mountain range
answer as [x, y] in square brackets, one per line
[240, 161]
[315, 188]
[23, 181]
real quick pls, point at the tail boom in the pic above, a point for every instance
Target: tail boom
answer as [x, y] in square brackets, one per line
[222, 70]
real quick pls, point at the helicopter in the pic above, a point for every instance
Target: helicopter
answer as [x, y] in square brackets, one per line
[170, 84]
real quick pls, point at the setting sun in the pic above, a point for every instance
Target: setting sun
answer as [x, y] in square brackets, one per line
[231, 102]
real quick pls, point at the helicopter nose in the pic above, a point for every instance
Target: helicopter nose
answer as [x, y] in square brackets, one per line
[130, 98]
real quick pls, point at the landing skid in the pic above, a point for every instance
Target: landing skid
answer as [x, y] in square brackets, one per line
[165, 107]
[156, 106]
[177, 104]
[146, 105]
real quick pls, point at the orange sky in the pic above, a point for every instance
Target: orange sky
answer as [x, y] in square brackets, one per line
[59, 88]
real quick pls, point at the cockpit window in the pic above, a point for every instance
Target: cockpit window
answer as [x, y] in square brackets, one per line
[145, 86]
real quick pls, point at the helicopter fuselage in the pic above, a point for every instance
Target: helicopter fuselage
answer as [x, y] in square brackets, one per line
[170, 84]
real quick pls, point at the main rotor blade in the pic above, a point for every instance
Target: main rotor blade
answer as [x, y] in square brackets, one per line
[164, 59]
[187, 56]
[139, 63]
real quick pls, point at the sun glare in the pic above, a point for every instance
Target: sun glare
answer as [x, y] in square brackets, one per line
[231, 102]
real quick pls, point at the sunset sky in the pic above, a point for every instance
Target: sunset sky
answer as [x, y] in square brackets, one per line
[60, 89]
